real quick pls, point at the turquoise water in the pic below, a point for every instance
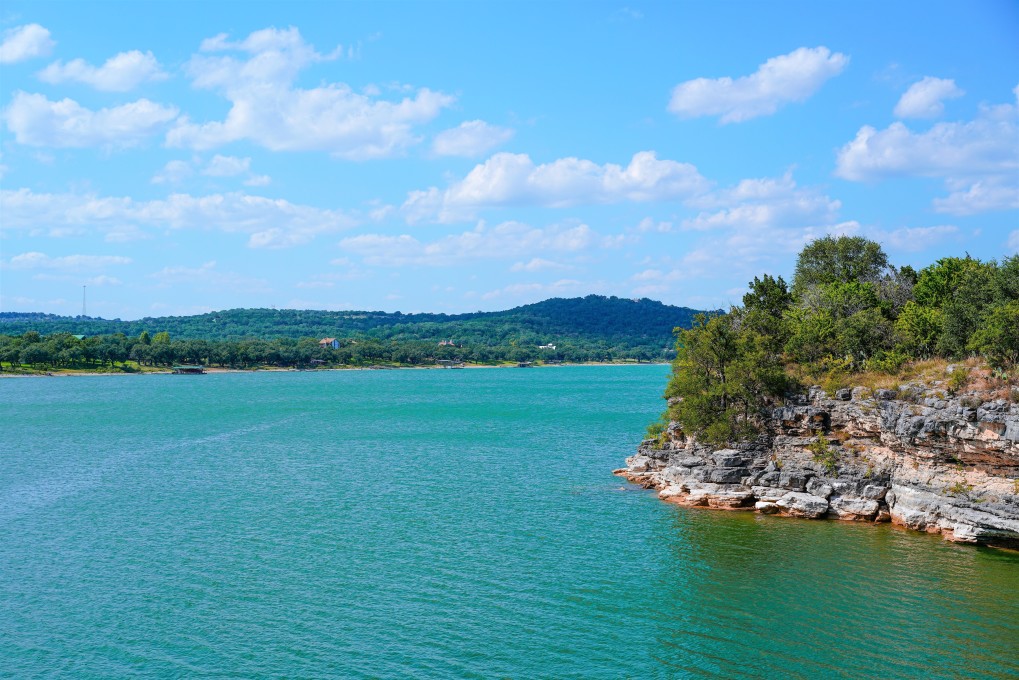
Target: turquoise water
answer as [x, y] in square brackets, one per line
[436, 524]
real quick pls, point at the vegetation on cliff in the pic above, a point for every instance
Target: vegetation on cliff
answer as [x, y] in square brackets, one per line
[848, 310]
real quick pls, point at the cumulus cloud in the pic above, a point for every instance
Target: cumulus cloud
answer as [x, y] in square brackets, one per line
[269, 223]
[470, 139]
[506, 240]
[926, 98]
[173, 172]
[207, 276]
[765, 202]
[537, 264]
[787, 78]
[120, 73]
[37, 260]
[226, 166]
[25, 42]
[538, 290]
[915, 238]
[514, 179]
[268, 110]
[37, 121]
[976, 159]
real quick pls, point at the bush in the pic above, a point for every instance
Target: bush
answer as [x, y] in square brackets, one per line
[887, 362]
[824, 454]
[957, 380]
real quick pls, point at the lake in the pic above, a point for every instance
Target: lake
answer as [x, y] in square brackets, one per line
[437, 523]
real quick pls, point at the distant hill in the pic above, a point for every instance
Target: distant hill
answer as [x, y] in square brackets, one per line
[609, 321]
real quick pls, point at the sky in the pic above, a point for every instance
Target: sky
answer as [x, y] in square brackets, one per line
[185, 157]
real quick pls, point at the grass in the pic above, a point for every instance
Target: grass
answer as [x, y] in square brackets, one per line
[971, 373]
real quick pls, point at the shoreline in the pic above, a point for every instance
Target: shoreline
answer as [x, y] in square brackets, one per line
[917, 458]
[216, 370]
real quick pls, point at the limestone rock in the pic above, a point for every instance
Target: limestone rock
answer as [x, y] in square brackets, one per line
[916, 457]
[797, 504]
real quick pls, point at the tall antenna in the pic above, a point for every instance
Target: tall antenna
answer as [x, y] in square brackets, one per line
[83, 300]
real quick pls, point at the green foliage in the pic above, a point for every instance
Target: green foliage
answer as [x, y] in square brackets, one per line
[890, 362]
[592, 328]
[585, 329]
[842, 259]
[918, 328]
[722, 376]
[957, 380]
[998, 337]
[824, 454]
[848, 310]
[936, 283]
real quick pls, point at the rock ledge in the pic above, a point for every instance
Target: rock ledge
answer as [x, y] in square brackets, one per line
[928, 462]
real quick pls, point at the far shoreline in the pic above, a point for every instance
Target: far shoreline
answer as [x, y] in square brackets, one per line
[216, 370]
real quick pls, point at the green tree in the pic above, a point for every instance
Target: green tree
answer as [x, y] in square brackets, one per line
[839, 259]
[721, 379]
[998, 337]
[918, 329]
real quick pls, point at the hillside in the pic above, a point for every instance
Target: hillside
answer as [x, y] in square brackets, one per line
[592, 319]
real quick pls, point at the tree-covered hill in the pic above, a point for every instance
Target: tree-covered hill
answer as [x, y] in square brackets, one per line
[608, 321]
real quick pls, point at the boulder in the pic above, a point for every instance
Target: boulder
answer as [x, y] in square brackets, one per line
[854, 508]
[796, 504]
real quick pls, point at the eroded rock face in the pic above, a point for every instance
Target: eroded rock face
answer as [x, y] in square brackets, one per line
[928, 462]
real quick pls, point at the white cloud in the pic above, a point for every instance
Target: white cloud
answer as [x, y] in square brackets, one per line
[120, 73]
[270, 223]
[915, 238]
[925, 99]
[37, 121]
[207, 277]
[766, 202]
[268, 110]
[506, 240]
[985, 195]
[791, 77]
[226, 166]
[25, 42]
[173, 172]
[470, 139]
[976, 159]
[722, 255]
[517, 290]
[37, 260]
[514, 179]
[258, 181]
[1013, 241]
[537, 264]
[650, 225]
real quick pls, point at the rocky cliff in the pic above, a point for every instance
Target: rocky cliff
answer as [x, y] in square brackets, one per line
[915, 457]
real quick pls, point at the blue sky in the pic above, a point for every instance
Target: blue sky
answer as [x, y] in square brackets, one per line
[184, 157]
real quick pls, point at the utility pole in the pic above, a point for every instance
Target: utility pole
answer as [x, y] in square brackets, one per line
[83, 300]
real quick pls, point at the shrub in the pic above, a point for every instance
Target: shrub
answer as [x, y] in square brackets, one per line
[957, 380]
[824, 454]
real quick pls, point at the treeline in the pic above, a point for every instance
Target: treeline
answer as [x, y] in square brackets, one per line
[118, 351]
[593, 320]
[848, 310]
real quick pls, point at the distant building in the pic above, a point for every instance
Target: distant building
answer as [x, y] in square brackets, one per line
[447, 343]
[548, 346]
[329, 342]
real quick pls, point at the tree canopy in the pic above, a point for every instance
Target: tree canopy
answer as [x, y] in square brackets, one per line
[848, 310]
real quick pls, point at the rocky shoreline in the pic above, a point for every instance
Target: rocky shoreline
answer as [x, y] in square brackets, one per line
[914, 457]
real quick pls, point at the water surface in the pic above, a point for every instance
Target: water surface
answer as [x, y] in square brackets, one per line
[436, 524]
